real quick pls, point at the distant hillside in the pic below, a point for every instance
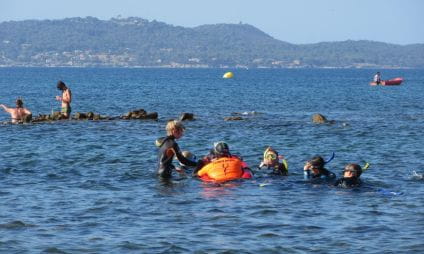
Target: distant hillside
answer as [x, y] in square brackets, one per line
[138, 42]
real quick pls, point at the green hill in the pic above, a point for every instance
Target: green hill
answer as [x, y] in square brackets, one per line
[139, 42]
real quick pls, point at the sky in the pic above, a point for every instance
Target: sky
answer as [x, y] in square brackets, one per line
[294, 21]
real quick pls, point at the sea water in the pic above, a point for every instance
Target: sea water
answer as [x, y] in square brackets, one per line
[90, 187]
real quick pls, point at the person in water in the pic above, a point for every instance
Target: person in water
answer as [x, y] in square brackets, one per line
[351, 176]
[314, 168]
[377, 78]
[272, 161]
[18, 114]
[221, 150]
[168, 148]
[66, 99]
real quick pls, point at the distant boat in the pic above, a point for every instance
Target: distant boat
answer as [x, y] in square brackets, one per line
[390, 82]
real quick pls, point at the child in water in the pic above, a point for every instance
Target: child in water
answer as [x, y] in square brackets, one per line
[314, 168]
[168, 148]
[272, 161]
[351, 176]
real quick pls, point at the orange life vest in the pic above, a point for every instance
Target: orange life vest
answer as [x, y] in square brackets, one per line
[223, 169]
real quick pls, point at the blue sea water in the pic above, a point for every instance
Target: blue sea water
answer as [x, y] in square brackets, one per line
[90, 187]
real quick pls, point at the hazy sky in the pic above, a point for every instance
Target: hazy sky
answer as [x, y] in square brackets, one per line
[295, 21]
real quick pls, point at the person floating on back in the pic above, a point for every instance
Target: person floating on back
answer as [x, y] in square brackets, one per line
[66, 99]
[18, 114]
[314, 168]
[351, 176]
[272, 161]
[377, 78]
[168, 148]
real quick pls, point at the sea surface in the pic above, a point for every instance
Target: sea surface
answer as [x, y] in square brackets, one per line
[91, 187]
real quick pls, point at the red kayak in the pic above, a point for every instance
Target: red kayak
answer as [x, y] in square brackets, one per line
[390, 82]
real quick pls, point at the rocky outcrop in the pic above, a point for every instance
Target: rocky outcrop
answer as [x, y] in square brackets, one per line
[320, 119]
[140, 114]
[187, 117]
[233, 118]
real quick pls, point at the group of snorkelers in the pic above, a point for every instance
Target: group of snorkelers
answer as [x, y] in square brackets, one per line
[20, 114]
[272, 162]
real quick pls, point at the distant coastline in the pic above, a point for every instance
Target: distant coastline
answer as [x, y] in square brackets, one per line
[139, 43]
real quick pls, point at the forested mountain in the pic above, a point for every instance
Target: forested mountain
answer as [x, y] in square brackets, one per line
[139, 42]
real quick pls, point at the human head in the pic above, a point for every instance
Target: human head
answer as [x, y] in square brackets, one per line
[221, 149]
[175, 128]
[317, 164]
[19, 103]
[270, 156]
[187, 155]
[352, 170]
[61, 85]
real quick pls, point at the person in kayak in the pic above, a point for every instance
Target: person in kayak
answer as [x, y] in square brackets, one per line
[351, 176]
[271, 161]
[18, 114]
[377, 78]
[314, 168]
[168, 148]
[66, 99]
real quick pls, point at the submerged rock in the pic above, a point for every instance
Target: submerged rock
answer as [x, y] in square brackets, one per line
[318, 118]
[187, 117]
[233, 118]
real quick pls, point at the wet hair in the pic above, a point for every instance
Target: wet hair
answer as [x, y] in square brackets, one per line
[61, 85]
[221, 148]
[19, 103]
[267, 153]
[355, 168]
[174, 125]
[317, 162]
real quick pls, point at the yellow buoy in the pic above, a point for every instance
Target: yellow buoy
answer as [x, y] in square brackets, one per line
[228, 75]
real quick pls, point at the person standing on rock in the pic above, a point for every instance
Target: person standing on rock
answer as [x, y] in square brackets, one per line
[18, 114]
[66, 99]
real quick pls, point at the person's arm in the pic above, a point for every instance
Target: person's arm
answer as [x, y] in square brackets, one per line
[27, 112]
[8, 110]
[181, 157]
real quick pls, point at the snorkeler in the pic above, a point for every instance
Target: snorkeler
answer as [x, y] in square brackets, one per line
[168, 148]
[314, 168]
[351, 176]
[220, 165]
[66, 99]
[18, 114]
[271, 160]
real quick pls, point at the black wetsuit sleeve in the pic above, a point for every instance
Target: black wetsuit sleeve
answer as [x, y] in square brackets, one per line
[181, 157]
[328, 173]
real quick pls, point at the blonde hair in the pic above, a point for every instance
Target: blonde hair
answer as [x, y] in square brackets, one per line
[174, 125]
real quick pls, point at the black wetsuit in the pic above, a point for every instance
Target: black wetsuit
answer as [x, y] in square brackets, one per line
[348, 182]
[167, 149]
[278, 170]
[324, 173]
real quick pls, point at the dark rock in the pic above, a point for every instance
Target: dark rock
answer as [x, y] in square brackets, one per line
[96, 117]
[318, 118]
[151, 115]
[90, 115]
[187, 117]
[233, 118]
[80, 116]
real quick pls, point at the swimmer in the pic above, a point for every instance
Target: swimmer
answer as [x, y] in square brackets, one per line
[314, 168]
[66, 99]
[351, 176]
[272, 161]
[18, 114]
[168, 148]
[182, 167]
